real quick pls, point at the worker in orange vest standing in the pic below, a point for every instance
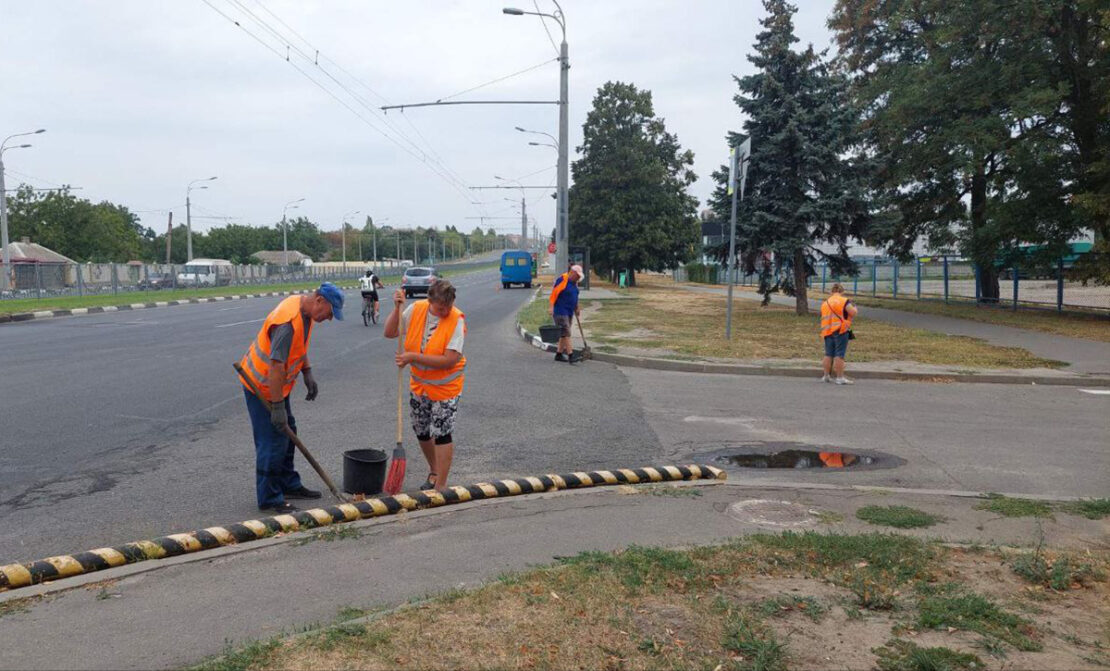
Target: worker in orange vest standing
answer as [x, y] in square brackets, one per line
[837, 313]
[434, 333]
[278, 353]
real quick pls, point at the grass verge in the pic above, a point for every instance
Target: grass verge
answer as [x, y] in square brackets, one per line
[692, 324]
[70, 302]
[1014, 507]
[763, 602]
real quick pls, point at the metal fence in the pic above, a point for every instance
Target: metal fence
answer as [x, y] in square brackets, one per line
[952, 279]
[49, 280]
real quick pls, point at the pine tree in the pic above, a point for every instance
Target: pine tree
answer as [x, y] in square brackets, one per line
[629, 202]
[804, 185]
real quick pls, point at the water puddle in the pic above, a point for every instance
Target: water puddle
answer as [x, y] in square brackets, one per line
[798, 459]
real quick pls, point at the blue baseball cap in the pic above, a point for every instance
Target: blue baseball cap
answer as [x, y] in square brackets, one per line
[334, 296]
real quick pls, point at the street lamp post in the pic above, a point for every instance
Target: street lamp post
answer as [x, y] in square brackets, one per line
[291, 205]
[523, 211]
[561, 238]
[344, 238]
[189, 217]
[4, 205]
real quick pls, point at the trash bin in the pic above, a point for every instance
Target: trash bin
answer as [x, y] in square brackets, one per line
[624, 279]
[364, 471]
[549, 333]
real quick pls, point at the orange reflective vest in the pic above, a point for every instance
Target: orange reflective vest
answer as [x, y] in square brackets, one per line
[256, 362]
[437, 384]
[833, 317]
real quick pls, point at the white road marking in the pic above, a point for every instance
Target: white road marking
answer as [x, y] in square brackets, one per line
[1097, 392]
[249, 321]
[240, 307]
[744, 421]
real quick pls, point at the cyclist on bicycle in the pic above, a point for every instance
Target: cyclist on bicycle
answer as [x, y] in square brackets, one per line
[369, 286]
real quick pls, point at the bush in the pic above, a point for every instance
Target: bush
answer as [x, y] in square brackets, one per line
[702, 273]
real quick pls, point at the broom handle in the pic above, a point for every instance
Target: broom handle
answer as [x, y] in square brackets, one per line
[400, 371]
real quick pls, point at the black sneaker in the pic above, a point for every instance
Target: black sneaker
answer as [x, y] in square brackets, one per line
[280, 508]
[559, 356]
[575, 357]
[303, 493]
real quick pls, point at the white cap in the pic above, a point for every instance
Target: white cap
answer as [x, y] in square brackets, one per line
[578, 269]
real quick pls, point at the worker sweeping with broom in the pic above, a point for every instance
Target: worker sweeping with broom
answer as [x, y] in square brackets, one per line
[434, 331]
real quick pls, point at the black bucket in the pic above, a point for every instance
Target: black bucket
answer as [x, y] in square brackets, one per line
[549, 333]
[364, 471]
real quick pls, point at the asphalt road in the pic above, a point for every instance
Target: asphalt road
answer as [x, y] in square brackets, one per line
[125, 426]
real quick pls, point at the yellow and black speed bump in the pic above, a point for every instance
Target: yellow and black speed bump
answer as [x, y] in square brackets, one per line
[14, 576]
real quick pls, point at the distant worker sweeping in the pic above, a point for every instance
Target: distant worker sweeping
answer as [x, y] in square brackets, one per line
[274, 359]
[433, 346]
[563, 307]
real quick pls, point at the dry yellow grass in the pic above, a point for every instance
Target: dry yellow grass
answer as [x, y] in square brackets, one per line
[797, 600]
[693, 324]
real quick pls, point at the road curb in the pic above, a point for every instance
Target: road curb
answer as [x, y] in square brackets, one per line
[680, 366]
[14, 576]
[14, 317]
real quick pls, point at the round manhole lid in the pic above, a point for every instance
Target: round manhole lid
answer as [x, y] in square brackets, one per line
[766, 512]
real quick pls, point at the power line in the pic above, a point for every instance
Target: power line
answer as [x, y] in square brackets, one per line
[543, 20]
[499, 79]
[440, 170]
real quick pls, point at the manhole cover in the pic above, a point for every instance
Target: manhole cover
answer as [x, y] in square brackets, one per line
[798, 459]
[765, 512]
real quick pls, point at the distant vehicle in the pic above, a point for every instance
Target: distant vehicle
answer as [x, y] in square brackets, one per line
[1043, 270]
[516, 268]
[156, 281]
[205, 273]
[417, 280]
[406, 263]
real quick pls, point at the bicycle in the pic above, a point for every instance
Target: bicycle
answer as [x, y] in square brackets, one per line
[369, 311]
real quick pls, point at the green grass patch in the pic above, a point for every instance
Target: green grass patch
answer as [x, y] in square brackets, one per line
[899, 517]
[251, 656]
[1060, 574]
[897, 558]
[755, 643]
[974, 612]
[898, 655]
[1012, 507]
[1092, 509]
[533, 314]
[636, 567]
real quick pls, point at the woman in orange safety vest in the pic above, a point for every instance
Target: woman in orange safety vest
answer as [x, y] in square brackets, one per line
[434, 333]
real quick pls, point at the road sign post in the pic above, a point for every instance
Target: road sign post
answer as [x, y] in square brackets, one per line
[737, 172]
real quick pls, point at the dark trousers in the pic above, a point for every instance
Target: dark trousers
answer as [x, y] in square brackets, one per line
[273, 454]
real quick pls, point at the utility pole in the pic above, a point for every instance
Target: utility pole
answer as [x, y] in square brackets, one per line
[169, 236]
[523, 223]
[189, 230]
[738, 162]
[374, 230]
[562, 241]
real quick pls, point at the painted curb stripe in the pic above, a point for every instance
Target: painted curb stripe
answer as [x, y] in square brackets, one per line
[14, 576]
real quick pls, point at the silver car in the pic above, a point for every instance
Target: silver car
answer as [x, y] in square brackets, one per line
[417, 280]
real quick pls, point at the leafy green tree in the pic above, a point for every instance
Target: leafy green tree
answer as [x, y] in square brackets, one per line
[629, 202]
[987, 120]
[305, 237]
[805, 182]
[75, 227]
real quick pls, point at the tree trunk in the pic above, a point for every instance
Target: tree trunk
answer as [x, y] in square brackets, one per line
[631, 277]
[982, 252]
[801, 301]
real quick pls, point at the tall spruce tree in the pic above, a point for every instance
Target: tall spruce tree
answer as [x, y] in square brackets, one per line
[805, 186]
[629, 202]
[987, 120]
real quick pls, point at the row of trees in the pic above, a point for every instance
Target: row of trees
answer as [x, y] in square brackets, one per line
[106, 232]
[979, 127]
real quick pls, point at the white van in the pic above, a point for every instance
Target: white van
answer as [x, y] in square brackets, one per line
[205, 273]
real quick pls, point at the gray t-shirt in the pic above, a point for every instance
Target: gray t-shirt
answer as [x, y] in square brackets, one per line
[281, 339]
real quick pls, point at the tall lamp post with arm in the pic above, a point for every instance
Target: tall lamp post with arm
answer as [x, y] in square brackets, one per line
[561, 238]
[291, 205]
[189, 216]
[4, 205]
[344, 237]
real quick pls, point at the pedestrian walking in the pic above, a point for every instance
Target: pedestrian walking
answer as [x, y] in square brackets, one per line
[435, 331]
[837, 313]
[274, 359]
[563, 308]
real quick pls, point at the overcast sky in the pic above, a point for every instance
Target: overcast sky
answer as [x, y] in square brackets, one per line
[140, 97]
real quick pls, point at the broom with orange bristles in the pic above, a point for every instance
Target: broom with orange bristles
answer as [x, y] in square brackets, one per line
[395, 477]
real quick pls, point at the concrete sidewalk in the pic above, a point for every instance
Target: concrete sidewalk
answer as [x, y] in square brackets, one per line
[172, 613]
[1085, 357]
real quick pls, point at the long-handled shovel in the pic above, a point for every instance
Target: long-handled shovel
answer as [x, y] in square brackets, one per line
[587, 353]
[395, 478]
[293, 437]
